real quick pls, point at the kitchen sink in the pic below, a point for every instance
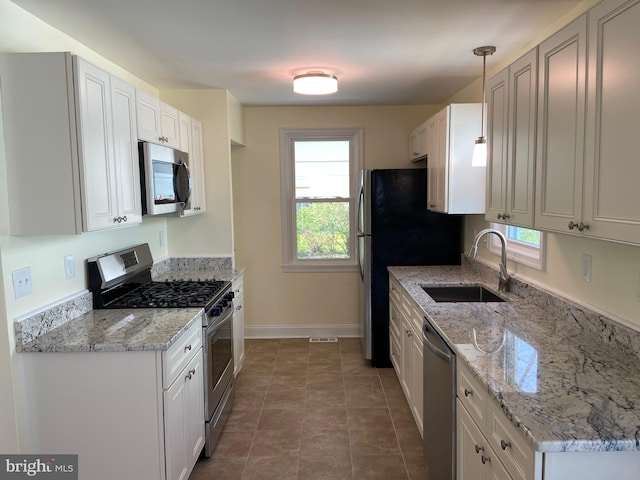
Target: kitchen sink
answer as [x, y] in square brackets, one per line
[462, 293]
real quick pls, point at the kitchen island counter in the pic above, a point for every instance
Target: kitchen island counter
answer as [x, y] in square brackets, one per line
[565, 377]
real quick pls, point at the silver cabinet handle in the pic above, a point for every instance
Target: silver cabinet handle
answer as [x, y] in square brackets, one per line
[409, 333]
[190, 374]
[467, 392]
[479, 448]
[485, 459]
[504, 445]
[187, 348]
[503, 216]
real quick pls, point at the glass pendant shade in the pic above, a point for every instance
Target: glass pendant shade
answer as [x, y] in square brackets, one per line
[479, 158]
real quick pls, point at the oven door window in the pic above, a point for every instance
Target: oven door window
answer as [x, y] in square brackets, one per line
[220, 352]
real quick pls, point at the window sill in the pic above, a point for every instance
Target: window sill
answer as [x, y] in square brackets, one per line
[320, 268]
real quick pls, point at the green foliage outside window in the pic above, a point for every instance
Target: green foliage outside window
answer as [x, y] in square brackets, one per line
[322, 230]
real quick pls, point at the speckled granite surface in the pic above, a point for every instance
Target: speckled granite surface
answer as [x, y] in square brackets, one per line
[75, 319]
[558, 372]
[144, 329]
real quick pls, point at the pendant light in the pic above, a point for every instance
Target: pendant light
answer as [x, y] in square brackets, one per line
[479, 158]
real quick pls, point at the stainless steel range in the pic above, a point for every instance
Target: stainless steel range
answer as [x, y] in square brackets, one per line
[122, 279]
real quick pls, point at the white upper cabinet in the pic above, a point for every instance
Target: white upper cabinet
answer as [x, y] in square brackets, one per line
[511, 138]
[197, 202]
[561, 125]
[612, 169]
[454, 185]
[418, 143]
[157, 121]
[82, 172]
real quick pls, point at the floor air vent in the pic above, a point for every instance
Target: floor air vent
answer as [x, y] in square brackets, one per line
[323, 339]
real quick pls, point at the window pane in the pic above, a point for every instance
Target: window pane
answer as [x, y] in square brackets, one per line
[524, 235]
[322, 230]
[322, 169]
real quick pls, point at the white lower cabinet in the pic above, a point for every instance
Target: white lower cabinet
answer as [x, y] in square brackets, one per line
[489, 446]
[238, 323]
[143, 409]
[405, 336]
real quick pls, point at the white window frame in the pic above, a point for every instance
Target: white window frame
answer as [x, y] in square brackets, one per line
[519, 252]
[288, 137]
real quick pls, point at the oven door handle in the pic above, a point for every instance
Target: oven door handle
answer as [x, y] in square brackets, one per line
[220, 320]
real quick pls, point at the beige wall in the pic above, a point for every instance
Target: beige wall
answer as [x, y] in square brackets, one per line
[294, 299]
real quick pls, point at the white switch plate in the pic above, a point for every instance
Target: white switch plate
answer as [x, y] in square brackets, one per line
[22, 282]
[69, 267]
[585, 267]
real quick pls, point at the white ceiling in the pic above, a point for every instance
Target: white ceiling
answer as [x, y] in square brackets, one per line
[383, 51]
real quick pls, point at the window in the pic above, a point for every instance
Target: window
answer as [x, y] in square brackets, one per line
[320, 184]
[524, 245]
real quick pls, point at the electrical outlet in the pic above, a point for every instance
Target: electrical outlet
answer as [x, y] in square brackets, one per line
[585, 267]
[22, 282]
[69, 267]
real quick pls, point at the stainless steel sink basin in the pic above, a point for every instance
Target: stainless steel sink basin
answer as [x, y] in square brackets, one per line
[462, 293]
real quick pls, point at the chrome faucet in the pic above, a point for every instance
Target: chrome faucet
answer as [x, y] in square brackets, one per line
[504, 279]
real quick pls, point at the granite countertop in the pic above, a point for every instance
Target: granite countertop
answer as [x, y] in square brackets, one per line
[74, 326]
[563, 387]
[117, 330]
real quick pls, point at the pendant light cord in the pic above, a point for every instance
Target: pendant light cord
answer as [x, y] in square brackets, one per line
[484, 66]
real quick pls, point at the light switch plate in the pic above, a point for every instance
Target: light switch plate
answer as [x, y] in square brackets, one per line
[22, 282]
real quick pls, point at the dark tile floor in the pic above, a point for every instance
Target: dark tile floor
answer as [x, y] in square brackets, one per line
[315, 411]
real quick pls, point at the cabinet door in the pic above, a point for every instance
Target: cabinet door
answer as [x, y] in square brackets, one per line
[184, 123]
[197, 202]
[184, 420]
[406, 347]
[418, 143]
[238, 325]
[194, 415]
[497, 145]
[148, 117]
[472, 449]
[126, 151]
[437, 165]
[561, 124]
[97, 164]
[417, 381]
[169, 125]
[520, 183]
[612, 169]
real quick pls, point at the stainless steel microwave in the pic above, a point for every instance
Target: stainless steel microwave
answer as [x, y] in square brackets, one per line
[165, 179]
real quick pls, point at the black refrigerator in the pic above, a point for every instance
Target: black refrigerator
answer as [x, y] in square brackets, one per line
[396, 229]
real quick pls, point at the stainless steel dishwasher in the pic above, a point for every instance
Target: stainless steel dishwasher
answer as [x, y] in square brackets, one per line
[439, 428]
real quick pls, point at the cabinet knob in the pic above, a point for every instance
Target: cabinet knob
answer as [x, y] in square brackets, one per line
[409, 333]
[239, 307]
[502, 216]
[187, 348]
[504, 445]
[580, 226]
[124, 219]
[467, 392]
[479, 448]
[191, 374]
[485, 459]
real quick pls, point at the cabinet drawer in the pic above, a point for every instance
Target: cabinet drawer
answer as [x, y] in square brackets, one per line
[395, 319]
[471, 394]
[508, 443]
[394, 290]
[181, 352]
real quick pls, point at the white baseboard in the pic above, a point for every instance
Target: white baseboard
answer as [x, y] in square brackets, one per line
[301, 331]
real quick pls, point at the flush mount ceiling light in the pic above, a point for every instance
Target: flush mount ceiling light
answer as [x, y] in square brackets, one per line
[479, 158]
[315, 83]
